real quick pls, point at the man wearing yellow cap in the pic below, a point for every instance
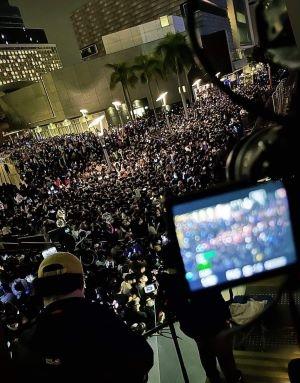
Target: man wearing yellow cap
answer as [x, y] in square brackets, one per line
[75, 340]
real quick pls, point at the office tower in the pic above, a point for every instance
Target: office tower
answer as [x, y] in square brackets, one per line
[24, 53]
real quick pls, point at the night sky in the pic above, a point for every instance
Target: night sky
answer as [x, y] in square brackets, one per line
[54, 17]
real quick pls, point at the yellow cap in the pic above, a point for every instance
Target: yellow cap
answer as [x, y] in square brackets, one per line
[63, 263]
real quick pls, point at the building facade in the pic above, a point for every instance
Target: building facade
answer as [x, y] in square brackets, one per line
[26, 62]
[98, 18]
[236, 22]
[53, 104]
[25, 54]
[142, 34]
[22, 36]
[64, 93]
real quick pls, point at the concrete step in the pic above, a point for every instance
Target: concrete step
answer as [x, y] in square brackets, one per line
[285, 353]
[266, 367]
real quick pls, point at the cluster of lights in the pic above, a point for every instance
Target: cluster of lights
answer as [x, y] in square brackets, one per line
[26, 64]
[75, 125]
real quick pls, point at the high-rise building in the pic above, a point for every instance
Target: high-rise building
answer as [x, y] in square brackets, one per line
[10, 17]
[98, 18]
[243, 22]
[27, 62]
[22, 35]
[24, 53]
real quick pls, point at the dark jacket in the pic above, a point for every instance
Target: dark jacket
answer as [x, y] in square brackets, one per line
[75, 340]
[204, 316]
[200, 316]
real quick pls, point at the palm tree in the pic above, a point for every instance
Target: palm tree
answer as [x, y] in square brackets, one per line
[177, 56]
[147, 67]
[159, 72]
[124, 74]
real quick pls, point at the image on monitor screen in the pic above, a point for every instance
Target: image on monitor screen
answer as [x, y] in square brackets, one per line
[234, 235]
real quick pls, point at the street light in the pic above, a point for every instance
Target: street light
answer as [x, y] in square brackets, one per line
[218, 76]
[99, 120]
[197, 85]
[163, 98]
[84, 113]
[197, 82]
[117, 105]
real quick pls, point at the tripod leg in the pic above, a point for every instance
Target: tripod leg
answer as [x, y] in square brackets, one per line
[179, 354]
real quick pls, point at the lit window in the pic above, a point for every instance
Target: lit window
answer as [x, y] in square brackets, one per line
[164, 21]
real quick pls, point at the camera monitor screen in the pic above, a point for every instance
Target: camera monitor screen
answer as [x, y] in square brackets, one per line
[235, 235]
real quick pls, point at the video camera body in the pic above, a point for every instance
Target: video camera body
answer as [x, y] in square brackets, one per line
[235, 234]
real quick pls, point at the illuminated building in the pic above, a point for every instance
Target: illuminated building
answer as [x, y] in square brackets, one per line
[24, 53]
[19, 62]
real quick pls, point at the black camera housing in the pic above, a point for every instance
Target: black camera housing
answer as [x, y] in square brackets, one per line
[293, 196]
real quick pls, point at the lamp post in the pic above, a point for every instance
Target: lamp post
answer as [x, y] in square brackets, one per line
[117, 105]
[197, 82]
[270, 75]
[218, 77]
[93, 124]
[197, 85]
[84, 113]
[163, 98]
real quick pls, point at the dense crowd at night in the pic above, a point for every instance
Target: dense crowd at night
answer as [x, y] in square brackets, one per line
[113, 218]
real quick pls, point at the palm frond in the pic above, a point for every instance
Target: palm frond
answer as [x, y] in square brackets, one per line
[132, 79]
[174, 49]
[114, 80]
[143, 78]
[112, 66]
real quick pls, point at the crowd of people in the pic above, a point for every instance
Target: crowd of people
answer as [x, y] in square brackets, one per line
[112, 215]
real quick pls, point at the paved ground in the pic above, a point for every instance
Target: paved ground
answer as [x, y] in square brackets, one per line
[166, 369]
